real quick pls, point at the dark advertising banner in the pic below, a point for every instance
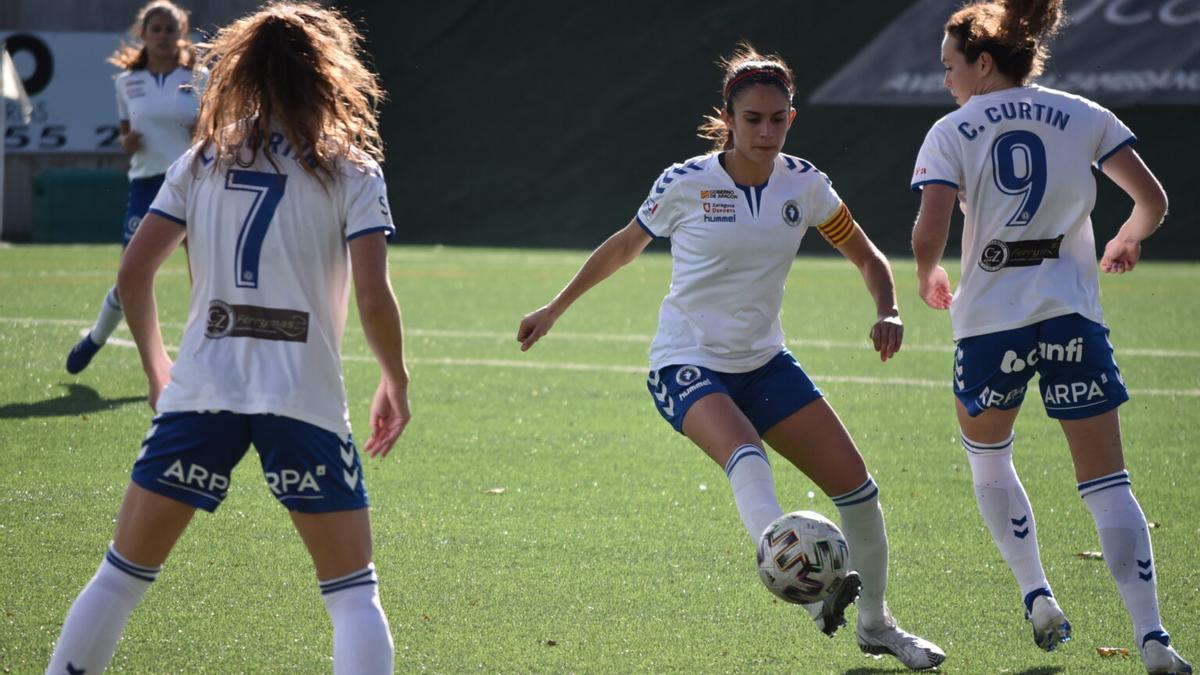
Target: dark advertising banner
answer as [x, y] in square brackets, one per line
[1116, 52]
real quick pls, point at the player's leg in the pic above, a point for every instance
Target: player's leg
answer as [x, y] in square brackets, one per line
[991, 376]
[141, 195]
[1083, 390]
[185, 464]
[814, 439]
[696, 403]
[317, 475]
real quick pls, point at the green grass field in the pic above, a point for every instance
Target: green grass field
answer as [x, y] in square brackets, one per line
[614, 545]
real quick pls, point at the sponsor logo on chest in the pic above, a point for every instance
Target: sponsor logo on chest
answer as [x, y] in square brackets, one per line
[719, 206]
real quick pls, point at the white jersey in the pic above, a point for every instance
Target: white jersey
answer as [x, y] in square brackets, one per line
[731, 249]
[270, 283]
[1021, 160]
[161, 108]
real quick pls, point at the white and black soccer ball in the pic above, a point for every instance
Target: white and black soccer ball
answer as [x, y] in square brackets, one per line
[801, 556]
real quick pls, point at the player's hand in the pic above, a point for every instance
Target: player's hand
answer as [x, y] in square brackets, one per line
[887, 334]
[390, 414]
[534, 325]
[934, 288]
[1120, 255]
[157, 382]
[131, 142]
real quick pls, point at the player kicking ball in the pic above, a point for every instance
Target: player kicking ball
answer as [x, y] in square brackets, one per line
[719, 371]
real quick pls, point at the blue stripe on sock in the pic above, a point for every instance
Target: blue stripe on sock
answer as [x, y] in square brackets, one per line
[132, 570]
[1112, 477]
[1102, 488]
[866, 485]
[354, 576]
[368, 582]
[840, 501]
[975, 446]
[1034, 595]
[742, 453]
[1157, 636]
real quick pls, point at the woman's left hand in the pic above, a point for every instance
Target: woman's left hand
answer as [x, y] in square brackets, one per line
[887, 334]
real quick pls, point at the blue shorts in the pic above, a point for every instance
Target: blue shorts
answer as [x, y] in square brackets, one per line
[766, 395]
[1072, 356]
[189, 456]
[142, 192]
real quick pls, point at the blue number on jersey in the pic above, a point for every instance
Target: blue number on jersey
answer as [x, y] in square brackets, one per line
[1031, 182]
[268, 190]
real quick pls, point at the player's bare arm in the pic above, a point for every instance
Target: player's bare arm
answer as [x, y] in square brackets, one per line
[151, 246]
[887, 333]
[616, 252]
[929, 236]
[1127, 170]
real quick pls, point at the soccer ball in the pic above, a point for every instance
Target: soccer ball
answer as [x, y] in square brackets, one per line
[801, 556]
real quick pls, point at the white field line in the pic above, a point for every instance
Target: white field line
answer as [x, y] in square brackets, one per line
[632, 338]
[641, 370]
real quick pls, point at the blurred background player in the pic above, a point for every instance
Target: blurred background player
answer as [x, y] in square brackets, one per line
[157, 104]
[1018, 157]
[279, 195]
[719, 371]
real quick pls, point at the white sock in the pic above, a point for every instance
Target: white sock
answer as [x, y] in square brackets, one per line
[362, 642]
[1006, 511]
[1125, 541]
[862, 525]
[109, 318]
[753, 489]
[97, 617]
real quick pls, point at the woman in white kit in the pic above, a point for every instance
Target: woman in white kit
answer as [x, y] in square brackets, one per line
[1018, 158]
[157, 104]
[281, 192]
[719, 371]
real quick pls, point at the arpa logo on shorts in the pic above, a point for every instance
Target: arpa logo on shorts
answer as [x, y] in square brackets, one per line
[195, 477]
[989, 398]
[1075, 394]
[290, 482]
[1072, 352]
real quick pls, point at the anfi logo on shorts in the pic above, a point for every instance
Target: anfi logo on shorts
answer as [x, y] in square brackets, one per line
[1072, 352]
[687, 375]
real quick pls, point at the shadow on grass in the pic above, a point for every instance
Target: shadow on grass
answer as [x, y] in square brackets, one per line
[895, 667]
[79, 400]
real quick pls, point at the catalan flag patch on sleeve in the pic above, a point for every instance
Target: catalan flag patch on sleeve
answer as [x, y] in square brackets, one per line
[839, 227]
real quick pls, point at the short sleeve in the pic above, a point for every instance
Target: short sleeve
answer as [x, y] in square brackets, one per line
[824, 210]
[938, 161]
[171, 202]
[365, 203]
[122, 103]
[657, 213]
[1114, 135]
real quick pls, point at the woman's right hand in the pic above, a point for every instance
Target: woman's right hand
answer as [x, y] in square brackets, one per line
[934, 288]
[536, 324]
[390, 414]
[131, 142]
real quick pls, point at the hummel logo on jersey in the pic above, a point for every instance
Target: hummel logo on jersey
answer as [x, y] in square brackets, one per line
[1072, 352]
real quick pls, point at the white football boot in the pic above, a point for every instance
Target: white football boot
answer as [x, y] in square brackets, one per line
[915, 652]
[1160, 658]
[1050, 625]
[830, 614]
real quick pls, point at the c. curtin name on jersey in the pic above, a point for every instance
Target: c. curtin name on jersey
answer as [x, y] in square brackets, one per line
[1016, 110]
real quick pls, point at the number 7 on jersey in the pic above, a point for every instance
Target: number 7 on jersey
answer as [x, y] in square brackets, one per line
[268, 189]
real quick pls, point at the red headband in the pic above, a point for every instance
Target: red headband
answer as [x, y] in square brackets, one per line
[772, 73]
